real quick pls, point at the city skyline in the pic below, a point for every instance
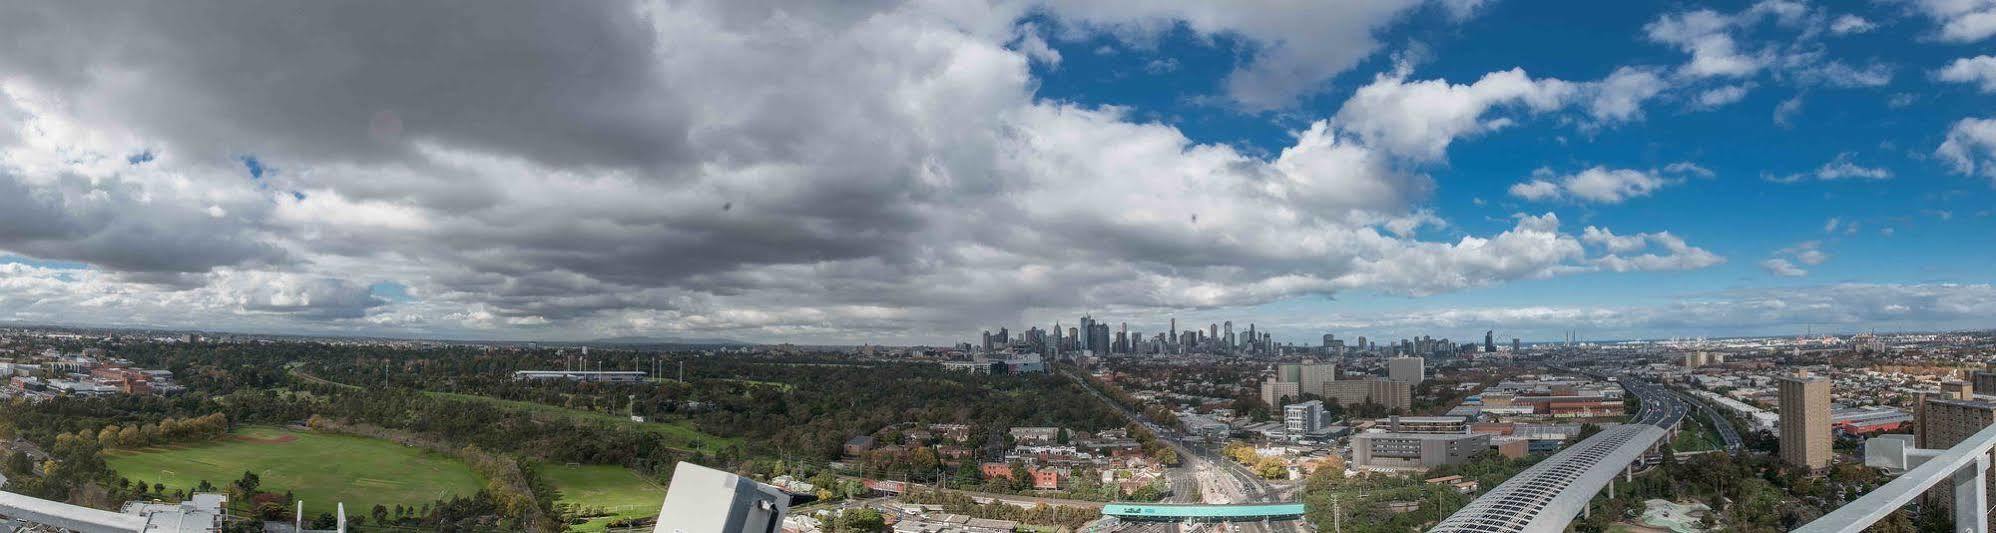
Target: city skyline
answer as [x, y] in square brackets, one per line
[900, 174]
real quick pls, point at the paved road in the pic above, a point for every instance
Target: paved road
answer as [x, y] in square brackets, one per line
[1204, 476]
[1726, 430]
[1661, 407]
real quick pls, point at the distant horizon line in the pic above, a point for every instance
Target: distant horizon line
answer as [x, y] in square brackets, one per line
[662, 341]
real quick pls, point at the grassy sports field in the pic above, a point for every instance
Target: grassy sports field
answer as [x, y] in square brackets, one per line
[677, 434]
[319, 468]
[612, 488]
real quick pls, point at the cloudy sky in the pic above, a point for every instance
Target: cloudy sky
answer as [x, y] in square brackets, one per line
[916, 172]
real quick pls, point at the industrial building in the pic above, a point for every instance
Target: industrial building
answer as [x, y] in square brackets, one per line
[1427, 424]
[1867, 420]
[1414, 450]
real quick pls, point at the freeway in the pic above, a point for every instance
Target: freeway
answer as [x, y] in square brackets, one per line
[1726, 430]
[1661, 407]
[1547, 496]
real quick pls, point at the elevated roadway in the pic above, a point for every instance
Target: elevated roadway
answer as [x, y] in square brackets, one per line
[1547, 496]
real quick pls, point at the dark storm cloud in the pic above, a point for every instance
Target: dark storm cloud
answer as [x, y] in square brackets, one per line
[562, 83]
[118, 226]
[823, 170]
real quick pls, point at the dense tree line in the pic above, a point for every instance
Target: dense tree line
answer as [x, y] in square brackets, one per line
[1047, 515]
[801, 407]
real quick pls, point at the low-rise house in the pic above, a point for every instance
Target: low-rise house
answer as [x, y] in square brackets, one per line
[859, 445]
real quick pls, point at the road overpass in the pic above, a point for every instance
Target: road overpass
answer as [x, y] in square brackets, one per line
[1551, 493]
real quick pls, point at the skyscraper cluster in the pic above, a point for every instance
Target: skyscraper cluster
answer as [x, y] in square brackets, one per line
[1099, 338]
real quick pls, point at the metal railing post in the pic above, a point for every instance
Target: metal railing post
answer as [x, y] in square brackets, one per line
[1971, 497]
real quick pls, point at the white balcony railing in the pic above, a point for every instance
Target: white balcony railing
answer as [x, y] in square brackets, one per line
[1964, 466]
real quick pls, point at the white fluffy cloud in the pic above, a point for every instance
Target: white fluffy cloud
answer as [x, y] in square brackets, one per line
[1960, 20]
[1600, 184]
[1788, 262]
[1707, 36]
[1978, 70]
[1620, 96]
[1846, 308]
[1781, 267]
[1720, 49]
[1722, 96]
[1419, 119]
[827, 172]
[1843, 167]
[1848, 24]
[1971, 147]
[1658, 251]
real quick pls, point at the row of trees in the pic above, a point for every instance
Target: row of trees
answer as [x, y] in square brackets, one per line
[168, 431]
[1266, 467]
[1071, 517]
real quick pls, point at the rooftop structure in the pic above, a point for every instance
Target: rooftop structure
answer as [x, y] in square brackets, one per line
[201, 514]
[1415, 450]
[705, 500]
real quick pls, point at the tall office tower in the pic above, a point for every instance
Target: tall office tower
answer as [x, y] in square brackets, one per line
[1945, 422]
[1088, 334]
[1805, 421]
[1056, 338]
[1053, 343]
[1124, 343]
[987, 340]
[1174, 329]
[1489, 342]
[1099, 338]
[1362, 346]
[1004, 336]
[1212, 332]
[1406, 369]
[1228, 338]
[1328, 338]
[1515, 347]
[1073, 338]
